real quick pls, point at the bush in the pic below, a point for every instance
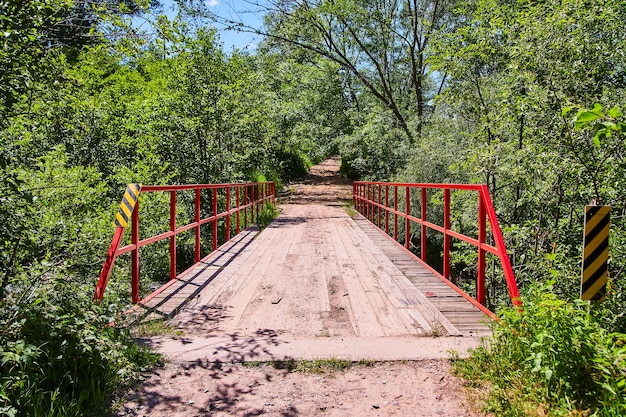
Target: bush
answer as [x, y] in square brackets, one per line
[552, 358]
[58, 356]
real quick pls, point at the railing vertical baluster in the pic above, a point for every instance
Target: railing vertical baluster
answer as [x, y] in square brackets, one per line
[198, 245]
[379, 201]
[482, 234]
[367, 202]
[173, 237]
[423, 232]
[253, 200]
[446, 236]
[214, 215]
[395, 214]
[387, 209]
[407, 225]
[362, 194]
[245, 203]
[134, 240]
[227, 213]
[371, 201]
[238, 203]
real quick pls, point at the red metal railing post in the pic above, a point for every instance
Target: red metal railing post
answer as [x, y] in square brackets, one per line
[134, 240]
[214, 214]
[197, 216]
[238, 202]
[245, 203]
[173, 237]
[446, 236]
[262, 195]
[423, 232]
[395, 212]
[379, 201]
[366, 209]
[371, 201]
[227, 213]
[482, 235]
[407, 225]
[108, 263]
[502, 253]
[253, 203]
[387, 209]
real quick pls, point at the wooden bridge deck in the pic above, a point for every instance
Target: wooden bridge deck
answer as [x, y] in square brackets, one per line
[315, 283]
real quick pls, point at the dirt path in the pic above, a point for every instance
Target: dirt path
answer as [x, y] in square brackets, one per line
[201, 387]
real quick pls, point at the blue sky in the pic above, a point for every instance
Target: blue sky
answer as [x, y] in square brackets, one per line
[233, 10]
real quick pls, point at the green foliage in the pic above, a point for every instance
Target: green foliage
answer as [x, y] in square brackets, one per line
[552, 358]
[266, 215]
[604, 125]
[376, 150]
[57, 354]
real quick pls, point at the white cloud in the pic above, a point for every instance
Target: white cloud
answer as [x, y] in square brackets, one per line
[213, 3]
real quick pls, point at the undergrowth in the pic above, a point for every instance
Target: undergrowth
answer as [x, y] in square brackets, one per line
[266, 215]
[58, 356]
[553, 358]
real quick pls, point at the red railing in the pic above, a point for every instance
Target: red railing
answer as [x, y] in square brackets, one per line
[239, 200]
[380, 201]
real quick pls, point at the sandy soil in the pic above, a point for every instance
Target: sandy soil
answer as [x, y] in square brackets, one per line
[422, 388]
[199, 388]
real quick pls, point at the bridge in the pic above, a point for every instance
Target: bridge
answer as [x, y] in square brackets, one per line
[323, 280]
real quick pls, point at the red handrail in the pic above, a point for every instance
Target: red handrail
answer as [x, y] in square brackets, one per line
[249, 197]
[370, 202]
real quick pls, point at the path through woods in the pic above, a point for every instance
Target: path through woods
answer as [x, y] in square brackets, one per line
[199, 380]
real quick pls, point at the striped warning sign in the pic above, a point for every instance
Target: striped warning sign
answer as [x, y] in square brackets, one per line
[128, 204]
[595, 253]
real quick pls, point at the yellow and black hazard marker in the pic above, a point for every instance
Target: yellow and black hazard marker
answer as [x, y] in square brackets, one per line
[595, 253]
[128, 204]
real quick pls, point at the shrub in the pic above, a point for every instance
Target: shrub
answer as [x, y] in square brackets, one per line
[552, 358]
[58, 356]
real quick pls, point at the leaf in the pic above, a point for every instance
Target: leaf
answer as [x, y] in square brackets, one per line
[586, 116]
[597, 108]
[596, 139]
[615, 112]
[548, 374]
[566, 110]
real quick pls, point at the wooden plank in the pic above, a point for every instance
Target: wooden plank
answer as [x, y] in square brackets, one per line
[441, 296]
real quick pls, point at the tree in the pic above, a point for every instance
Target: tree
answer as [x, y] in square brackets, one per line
[382, 46]
[511, 69]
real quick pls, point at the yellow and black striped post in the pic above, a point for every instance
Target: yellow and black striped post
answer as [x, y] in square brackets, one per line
[128, 204]
[129, 201]
[595, 253]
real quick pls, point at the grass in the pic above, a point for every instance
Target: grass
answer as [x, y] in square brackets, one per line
[318, 366]
[266, 215]
[155, 328]
[349, 209]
